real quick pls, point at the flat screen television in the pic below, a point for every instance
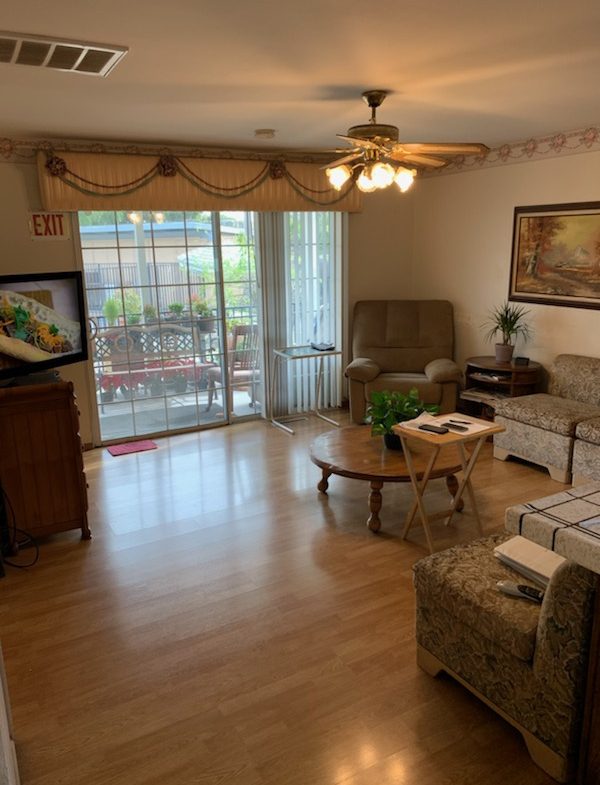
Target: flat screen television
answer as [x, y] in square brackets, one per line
[42, 322]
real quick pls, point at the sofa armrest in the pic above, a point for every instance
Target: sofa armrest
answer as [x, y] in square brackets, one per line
[563, 634]
[443, 370]
[362, 370]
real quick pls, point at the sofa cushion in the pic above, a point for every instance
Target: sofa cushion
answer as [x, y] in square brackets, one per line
[429, 392]
[462, 582]
[548, 412]
[589, 430]
[575, 376]
[403, 335]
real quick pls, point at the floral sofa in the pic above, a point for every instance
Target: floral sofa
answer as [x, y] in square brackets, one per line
[527, 662]
[545, 428]
[586, 451]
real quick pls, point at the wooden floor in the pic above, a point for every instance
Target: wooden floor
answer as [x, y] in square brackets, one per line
[228, 625]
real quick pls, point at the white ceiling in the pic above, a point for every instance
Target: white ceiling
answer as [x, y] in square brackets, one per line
[210, 73]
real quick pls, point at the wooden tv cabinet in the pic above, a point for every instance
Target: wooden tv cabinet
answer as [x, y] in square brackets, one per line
[41, 465]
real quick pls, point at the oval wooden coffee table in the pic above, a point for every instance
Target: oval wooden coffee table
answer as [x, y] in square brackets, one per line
[352, 452]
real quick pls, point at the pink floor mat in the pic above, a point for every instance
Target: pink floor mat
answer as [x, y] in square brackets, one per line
[126, 449]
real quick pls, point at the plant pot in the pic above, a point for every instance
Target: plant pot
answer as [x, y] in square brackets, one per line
[206, 324]
[504, 353]
[392, 441]
[107, 396]
[180, 385]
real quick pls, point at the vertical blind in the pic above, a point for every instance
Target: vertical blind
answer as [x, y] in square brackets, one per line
[312, 261]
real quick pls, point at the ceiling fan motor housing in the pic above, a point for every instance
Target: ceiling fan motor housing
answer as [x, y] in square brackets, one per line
[374, 131]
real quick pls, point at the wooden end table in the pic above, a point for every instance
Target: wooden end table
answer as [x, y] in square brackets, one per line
[414, 441]
[352, 452]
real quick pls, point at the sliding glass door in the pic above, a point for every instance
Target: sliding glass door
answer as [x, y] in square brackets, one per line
[173, 299]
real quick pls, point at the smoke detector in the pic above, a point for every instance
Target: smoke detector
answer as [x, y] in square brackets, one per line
[60, 54]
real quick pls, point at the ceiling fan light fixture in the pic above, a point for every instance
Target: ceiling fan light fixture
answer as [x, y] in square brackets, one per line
[338, 175]
[382, 174]
[404, 178]
[374, 144]
[364, 182]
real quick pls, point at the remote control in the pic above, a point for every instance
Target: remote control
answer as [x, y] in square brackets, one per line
[520, 590]
[454, 427]
[433, 428]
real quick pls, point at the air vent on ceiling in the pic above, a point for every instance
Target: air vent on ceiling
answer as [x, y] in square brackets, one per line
[61, 55]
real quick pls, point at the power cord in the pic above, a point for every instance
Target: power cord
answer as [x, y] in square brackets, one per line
[14, 544]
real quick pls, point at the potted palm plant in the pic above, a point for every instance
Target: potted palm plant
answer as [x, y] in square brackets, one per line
[386, 409]
[509, 321]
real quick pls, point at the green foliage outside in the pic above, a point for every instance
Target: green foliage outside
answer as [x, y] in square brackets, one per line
[133, 306]
[112, 309]
[237, 252]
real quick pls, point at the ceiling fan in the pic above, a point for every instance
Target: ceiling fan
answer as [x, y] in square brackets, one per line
[376, 150]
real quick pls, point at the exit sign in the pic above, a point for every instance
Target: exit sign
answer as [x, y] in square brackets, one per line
[49, 226]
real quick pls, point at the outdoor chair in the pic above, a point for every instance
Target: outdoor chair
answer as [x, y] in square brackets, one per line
[242, 365]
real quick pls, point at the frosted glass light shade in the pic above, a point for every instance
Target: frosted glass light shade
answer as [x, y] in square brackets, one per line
[364, 182]
[404, 178]
[382, 175]
[338, 176]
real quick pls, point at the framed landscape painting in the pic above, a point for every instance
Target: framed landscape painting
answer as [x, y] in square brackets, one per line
[556, 255]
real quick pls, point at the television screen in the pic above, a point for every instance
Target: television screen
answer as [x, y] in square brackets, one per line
[42, 322]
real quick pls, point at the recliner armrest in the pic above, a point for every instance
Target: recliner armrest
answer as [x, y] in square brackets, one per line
[362, 369]
[443, 370]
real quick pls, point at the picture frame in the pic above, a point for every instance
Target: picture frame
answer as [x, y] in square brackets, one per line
[555, 256]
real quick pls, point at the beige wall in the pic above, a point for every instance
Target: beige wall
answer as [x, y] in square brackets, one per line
[379, 252]
[462, 247]
[380, 247]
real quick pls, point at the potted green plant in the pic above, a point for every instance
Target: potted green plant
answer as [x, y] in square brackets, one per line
[386, 409]
[204, 315]
[176, 310]
[149, 314]
[509, 321]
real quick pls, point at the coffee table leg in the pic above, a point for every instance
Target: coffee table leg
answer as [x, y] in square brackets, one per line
[452, 485]
[375, 505]
[323, 484]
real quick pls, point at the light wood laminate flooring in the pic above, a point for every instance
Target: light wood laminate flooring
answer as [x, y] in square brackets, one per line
[227, 624]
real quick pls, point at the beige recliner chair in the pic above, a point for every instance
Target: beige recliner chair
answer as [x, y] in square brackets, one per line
[399, 344]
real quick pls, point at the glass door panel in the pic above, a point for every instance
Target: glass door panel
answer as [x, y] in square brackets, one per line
[242, 314]
[153, 291]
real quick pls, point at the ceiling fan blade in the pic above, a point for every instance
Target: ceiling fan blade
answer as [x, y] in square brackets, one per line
[356, 142]
[413, 158]
[345, 160]
[445, 148]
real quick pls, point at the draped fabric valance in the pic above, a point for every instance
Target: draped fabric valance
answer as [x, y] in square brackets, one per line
[104, 181]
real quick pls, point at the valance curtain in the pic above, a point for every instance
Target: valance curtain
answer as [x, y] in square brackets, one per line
[105, 181]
